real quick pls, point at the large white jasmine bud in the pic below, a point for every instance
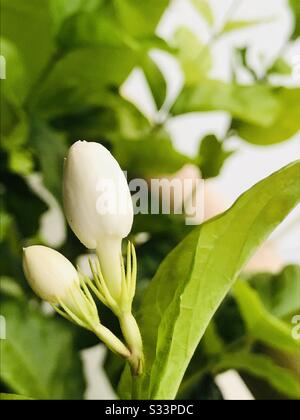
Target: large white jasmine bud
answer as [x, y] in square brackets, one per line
[98, 206]
[51, 276]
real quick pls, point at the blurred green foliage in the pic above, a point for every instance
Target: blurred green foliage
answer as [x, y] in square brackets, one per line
[66, 61]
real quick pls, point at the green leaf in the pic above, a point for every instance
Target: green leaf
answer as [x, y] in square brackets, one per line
[147, 157]
[295, 6]
[81, 78]
[254, 104]
[28, 25]
[50, 148]
[195, 58]
[139, 18]
[156, 81]
[205, 10]
[283, 127]
[13, 397]
[262, 367]
[234, 25]
[279, 292]
[196, 276]
[280, 66]
[261, 324]
[38, 357]
[212, 156]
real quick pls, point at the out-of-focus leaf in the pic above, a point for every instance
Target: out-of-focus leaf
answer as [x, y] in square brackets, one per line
[254, 104]
[263, 367]
[280, 293]
[261, 324]
[81, 78]
[295, 6]
[280, 66]
[195, 57]
[50, 148]
[28, 25]
[156, 81]
[151, 156]
[9, 287]
[22, 203]
[14, 86]
[212, 156]
[196, 276]
[204, 8]
[139, 18]
[38, 357]
[12, 397]
[89, 29]
[282, 127]
[234, 25]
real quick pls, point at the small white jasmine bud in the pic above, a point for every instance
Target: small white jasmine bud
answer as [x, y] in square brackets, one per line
[51, 276]
[98, 206]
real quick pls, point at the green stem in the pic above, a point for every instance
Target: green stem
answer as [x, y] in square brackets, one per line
[133, 339]
[111, 341]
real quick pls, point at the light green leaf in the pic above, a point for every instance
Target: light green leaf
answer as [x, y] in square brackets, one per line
[283, 127]
[234, 25]
[139, 18]
[38, 357]
[261, 324]
[280, 66]
[261, 367]
[196, 276]
[254, 104]
[195, 57]
[280, 292]
[205, 10]
[295, 6]
[13, 397]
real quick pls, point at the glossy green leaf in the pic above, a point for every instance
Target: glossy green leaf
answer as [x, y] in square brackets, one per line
[38, 357]
[262, 367]
[254, 104]
[261, 324]
[196, 276]
[284, 126]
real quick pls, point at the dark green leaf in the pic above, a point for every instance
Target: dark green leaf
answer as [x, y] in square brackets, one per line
[295, 6]
[13, 397]
[212, 156]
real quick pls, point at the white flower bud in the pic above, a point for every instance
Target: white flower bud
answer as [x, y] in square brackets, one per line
[51, 276]
[98, 205]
